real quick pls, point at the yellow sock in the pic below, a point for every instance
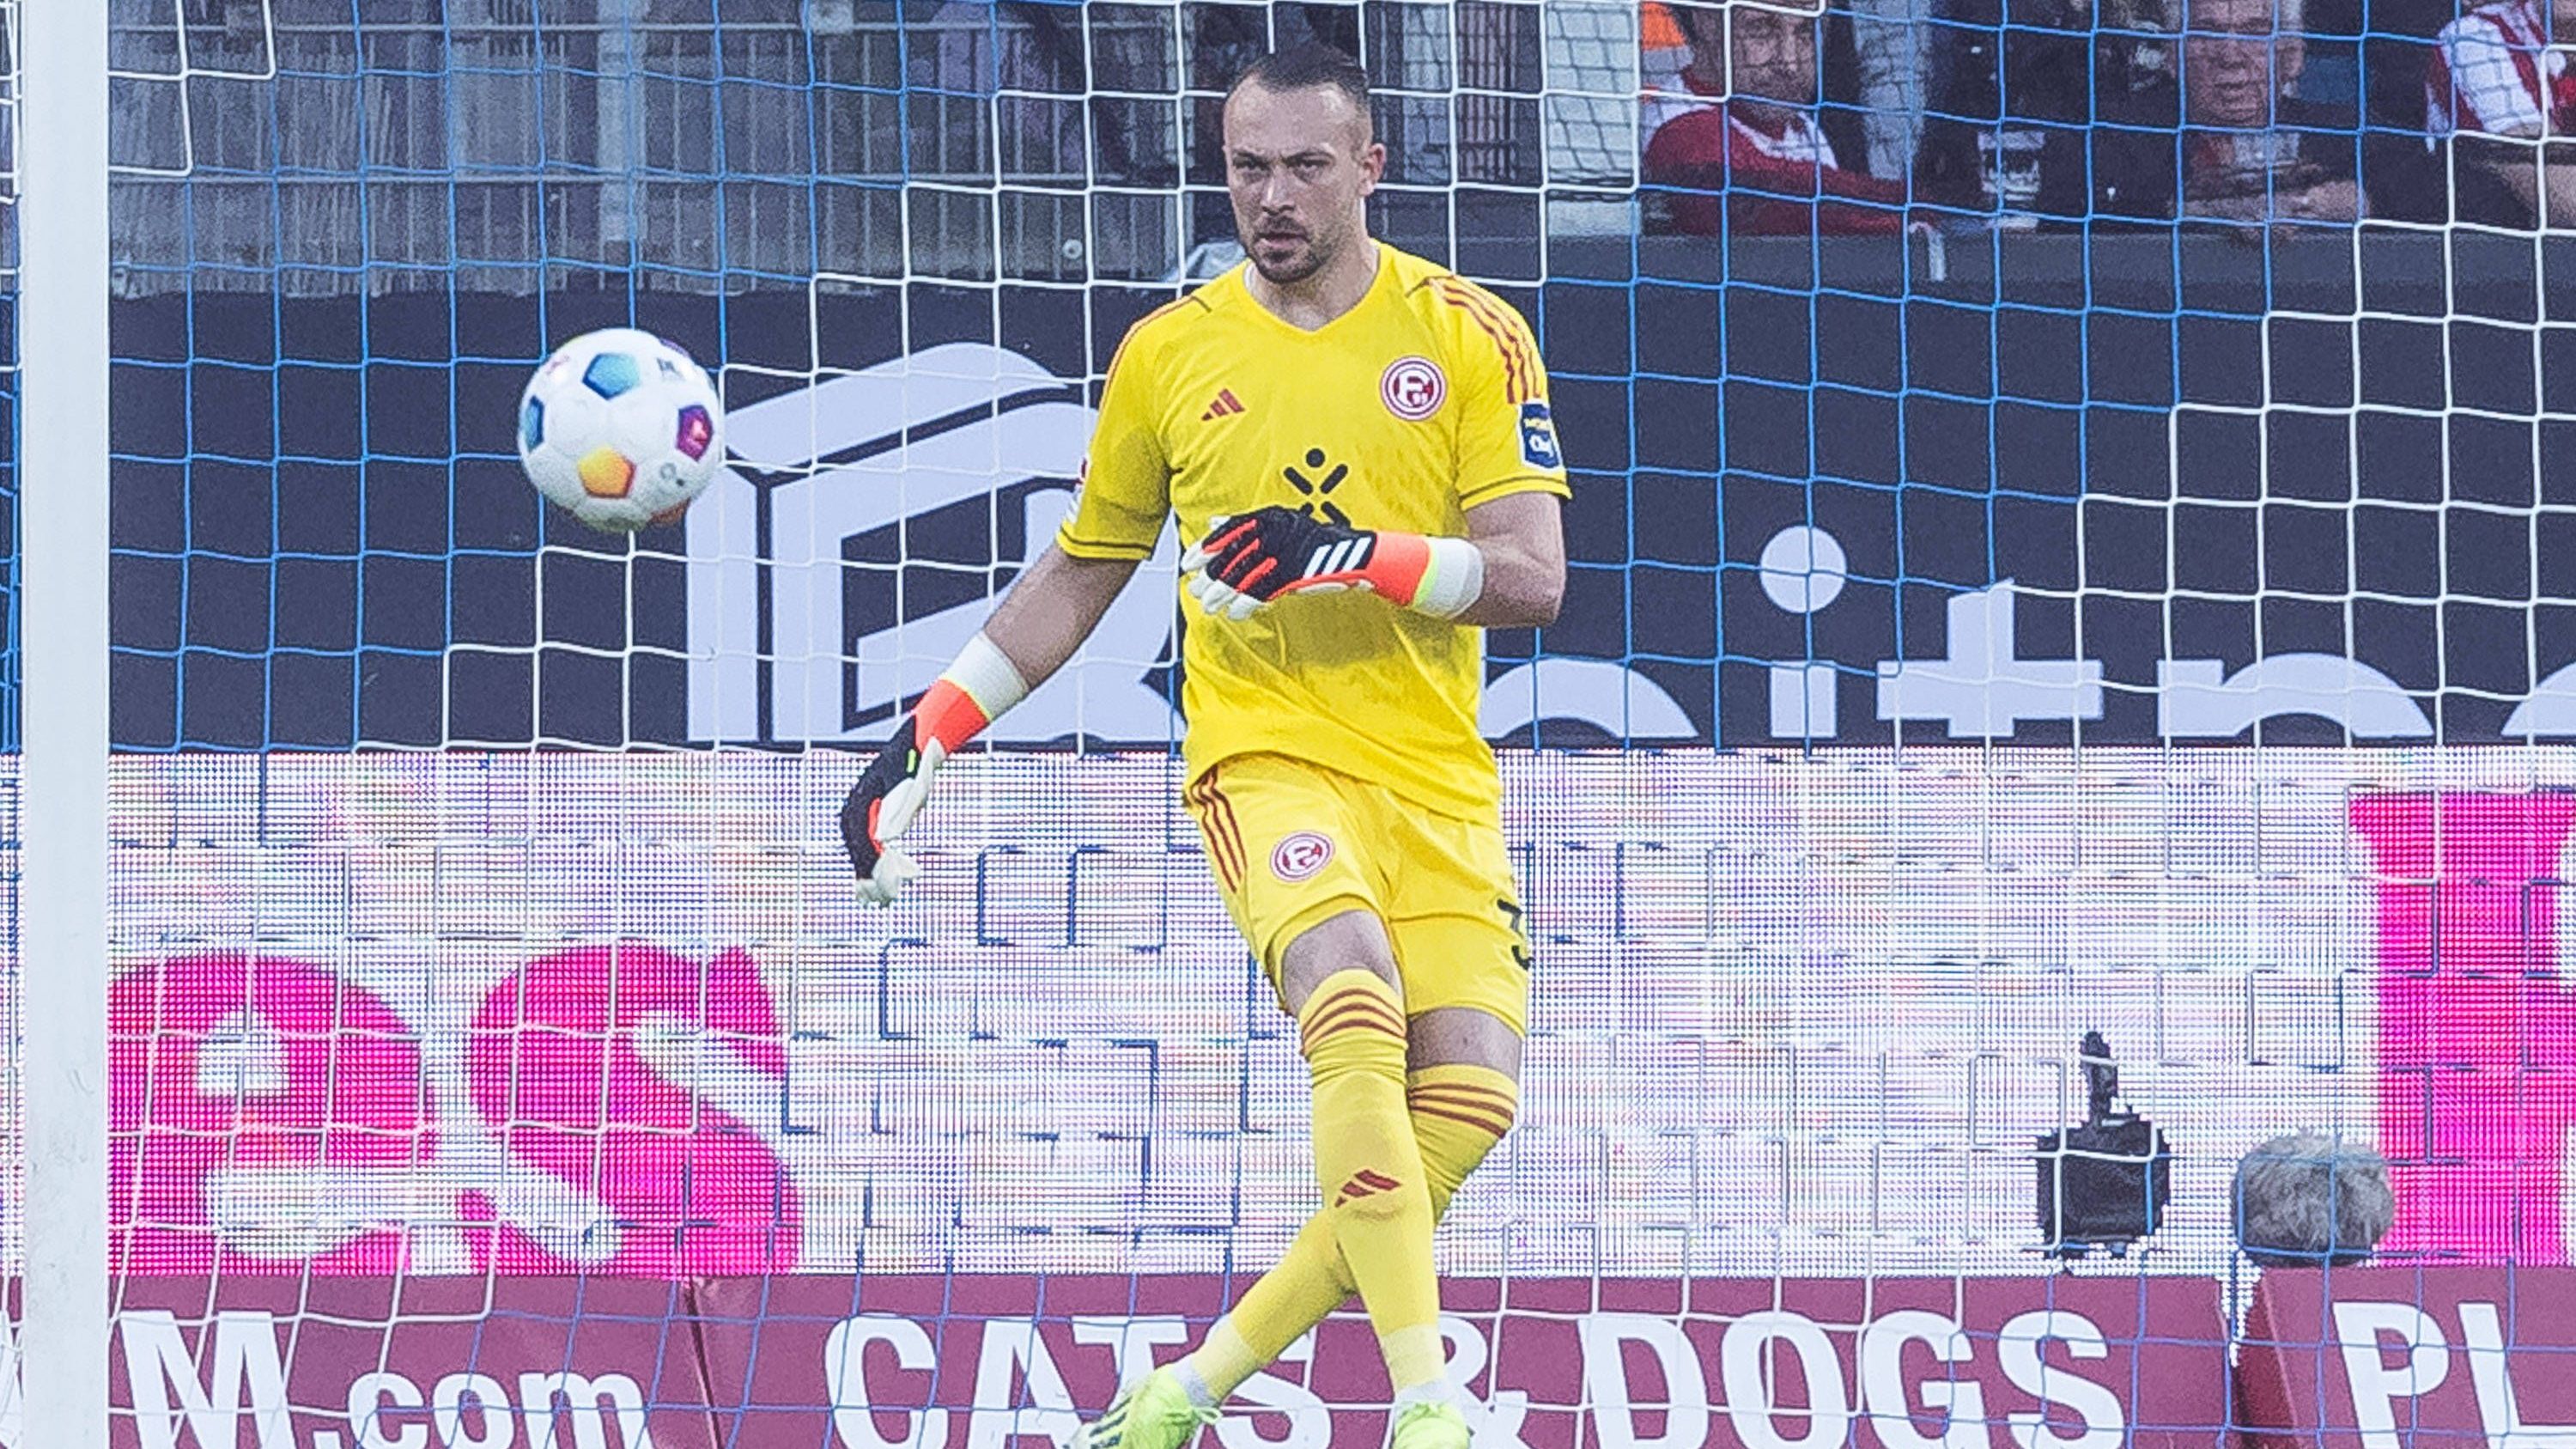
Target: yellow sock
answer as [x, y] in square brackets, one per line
[1309, 1282]
[1458, 1114]
[1352, 1031]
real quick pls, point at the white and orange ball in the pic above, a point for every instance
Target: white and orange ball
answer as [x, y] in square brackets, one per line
[621, 428]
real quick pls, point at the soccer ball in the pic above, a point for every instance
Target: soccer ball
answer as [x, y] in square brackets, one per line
[621, 428]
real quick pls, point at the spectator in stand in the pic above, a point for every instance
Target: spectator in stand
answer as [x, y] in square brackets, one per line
[1749, 157]
[1663, 53]
[2364, 69]
[2251, 149]
[2050, 113]
[2227, 140]
[1893, 44]
[2501, 89]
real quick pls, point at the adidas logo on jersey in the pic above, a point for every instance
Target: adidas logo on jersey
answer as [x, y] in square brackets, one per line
[1225, 406]
[1367, 1182]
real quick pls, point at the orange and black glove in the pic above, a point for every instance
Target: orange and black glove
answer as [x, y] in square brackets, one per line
[972, 694]
[1252, 559]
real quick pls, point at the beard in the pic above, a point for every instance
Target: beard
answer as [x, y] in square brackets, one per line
[1305, 254]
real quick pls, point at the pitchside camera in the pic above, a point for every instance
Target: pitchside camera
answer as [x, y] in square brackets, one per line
[2104, 1183]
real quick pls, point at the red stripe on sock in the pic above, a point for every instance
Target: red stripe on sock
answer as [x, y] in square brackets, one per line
[1348, 1013]
[1461, 1092]
[1362, 998]
[1487, 1125]
[1337, 1016]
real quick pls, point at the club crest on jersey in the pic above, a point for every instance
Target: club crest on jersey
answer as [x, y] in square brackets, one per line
[1299, 856]
[1538, 437]
[1413, 388]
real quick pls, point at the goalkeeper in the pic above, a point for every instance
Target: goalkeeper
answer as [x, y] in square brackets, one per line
[1358, 441]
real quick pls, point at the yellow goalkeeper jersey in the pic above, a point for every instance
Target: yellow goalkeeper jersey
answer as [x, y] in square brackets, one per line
[1421, 402]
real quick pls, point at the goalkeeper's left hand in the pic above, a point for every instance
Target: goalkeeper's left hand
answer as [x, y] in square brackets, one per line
[1249, 560]
[881, 806]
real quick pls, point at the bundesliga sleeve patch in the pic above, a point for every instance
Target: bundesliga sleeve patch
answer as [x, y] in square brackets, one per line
[1538, 437]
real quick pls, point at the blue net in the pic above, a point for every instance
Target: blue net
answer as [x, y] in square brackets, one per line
[343, 246]
[1926, 524]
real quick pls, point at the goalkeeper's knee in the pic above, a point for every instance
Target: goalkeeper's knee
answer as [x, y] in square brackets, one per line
[1459, 1112]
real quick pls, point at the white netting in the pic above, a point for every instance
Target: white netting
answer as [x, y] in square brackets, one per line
[479, 908]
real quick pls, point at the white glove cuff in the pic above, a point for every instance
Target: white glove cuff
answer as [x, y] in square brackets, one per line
[1455, 580]
[988, 677]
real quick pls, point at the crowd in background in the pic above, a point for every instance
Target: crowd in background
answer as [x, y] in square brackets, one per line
[1859, 116]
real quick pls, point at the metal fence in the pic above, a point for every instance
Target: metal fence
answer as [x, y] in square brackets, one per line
[317, 147]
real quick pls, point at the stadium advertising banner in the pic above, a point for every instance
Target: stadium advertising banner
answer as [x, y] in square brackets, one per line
[1819, 499]
[967, 452]
[622, 1014]
[975, 1362]
[2373, 1357]
[2352, 1358]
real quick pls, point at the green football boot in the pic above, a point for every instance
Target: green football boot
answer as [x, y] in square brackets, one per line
[1154, 1412]
[1428, 1425]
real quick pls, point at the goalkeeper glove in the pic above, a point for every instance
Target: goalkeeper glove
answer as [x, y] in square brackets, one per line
[1247, 561]
[972, 694]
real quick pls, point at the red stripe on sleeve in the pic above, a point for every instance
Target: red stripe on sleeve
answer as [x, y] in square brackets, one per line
[1516, 389]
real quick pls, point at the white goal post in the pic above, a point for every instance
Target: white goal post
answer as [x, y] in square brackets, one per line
[60, 57]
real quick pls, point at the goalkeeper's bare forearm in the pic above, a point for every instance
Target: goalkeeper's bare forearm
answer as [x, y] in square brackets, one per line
[1052, 607]
[1523, 540]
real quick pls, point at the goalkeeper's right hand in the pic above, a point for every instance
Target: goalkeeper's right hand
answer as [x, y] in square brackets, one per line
[882, 804]
[972, 694]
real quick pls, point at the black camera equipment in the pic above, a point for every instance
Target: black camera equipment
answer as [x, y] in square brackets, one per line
[2103, 1183]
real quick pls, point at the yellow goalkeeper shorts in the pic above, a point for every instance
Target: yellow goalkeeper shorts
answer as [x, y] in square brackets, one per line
[1294, 844]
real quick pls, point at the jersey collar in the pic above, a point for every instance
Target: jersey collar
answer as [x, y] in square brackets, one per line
[1242, 279]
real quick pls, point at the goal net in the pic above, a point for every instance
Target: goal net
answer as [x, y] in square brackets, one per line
[1976, 637]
